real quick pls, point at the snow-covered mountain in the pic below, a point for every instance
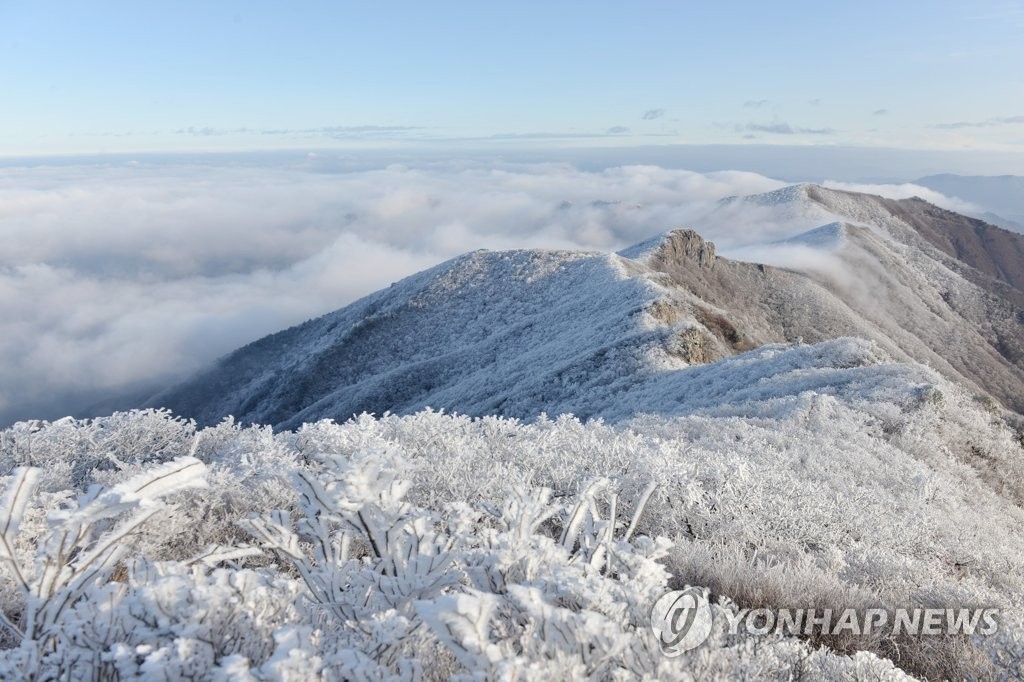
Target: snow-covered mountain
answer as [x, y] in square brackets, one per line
[518, 333]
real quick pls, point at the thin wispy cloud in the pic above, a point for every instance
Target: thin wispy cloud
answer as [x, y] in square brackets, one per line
[107, 133]
[348, 132]
[610, 132]
[331, 132]
[207, 131]
[755, 103]
[987, 123]
[783, 128]
[879, 112]
[652, 114]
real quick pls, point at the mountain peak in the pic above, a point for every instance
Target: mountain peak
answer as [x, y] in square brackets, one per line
[784, 195]
[679, 245]
[686, 245]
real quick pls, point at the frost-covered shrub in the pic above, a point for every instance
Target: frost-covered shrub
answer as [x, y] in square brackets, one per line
[69, 451]
[436, 545]
[381, 568]
[79, 551]
[248, 469]
[182, 620]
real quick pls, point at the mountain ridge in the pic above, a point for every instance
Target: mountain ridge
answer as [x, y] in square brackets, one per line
[517, 333]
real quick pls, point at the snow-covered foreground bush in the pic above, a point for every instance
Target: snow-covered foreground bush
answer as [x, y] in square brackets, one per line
[439, 546]
[368, 586]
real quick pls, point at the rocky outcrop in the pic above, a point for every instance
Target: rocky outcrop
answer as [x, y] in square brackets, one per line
[684, 247]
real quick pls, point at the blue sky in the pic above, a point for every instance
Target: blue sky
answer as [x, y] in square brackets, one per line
[159, 76]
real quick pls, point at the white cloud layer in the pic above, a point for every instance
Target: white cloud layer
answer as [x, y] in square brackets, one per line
[117, 277]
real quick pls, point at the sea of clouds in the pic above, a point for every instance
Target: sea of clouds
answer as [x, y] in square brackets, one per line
[119, 277]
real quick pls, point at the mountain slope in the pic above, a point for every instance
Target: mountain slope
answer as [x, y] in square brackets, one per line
[991, 250]
[518, 333]
[959, 311]
[484, 333]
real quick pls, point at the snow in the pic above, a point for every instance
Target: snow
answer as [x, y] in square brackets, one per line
[551, 328]
[504, 319]
[438, 545]
[643, 250]
[831, 237]
[771, 216]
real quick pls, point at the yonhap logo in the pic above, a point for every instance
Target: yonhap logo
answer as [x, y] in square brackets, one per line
[681, 620]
